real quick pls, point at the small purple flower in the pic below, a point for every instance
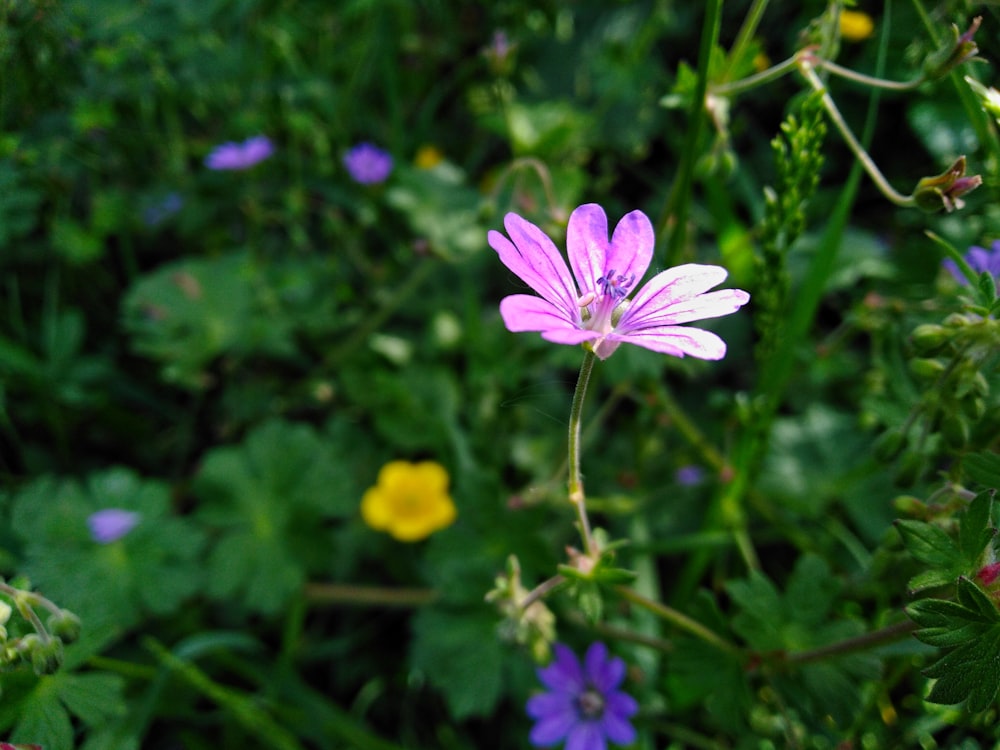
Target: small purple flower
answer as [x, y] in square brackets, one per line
[980, 259]
[160, 212]
[368, 164]
[238, 156]
[111, 524]
[594, 307]
[689, 475]
[584, 705]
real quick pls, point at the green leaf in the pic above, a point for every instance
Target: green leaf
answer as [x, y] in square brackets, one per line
[153, 568]
[459, 652]
[929, 544]
[975, 526]
[268, 497]
[968, 634]
[983, 468]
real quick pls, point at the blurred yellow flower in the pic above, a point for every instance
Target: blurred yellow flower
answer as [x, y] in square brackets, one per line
[856, 26]
[428, 157]
[410, 501]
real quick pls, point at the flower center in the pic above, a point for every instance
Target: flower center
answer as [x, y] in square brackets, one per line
[600, 311]
[590, 704]
[615, 287]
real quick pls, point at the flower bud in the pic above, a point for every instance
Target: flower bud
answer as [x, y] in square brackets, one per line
[65, 626]
[989, 98]
[46, 656]
[908, 505]
[962, 48]
[946, 189]
[929, 337]
[928, 369]
[988, 573]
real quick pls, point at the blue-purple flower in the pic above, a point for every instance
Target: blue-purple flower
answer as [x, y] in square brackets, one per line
[689, 475]
[979, 259]
[368, 164]
[238, 156]
[111, 524]
[583, 705]
[591, 306]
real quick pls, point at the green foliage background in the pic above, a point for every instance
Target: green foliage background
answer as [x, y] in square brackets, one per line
[234, 355]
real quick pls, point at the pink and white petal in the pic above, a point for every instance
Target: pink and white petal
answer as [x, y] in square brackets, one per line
[587, 245]
[631, 246]
[531, 255]
[674, 285]
[678, 341]
[570, 335]
[702, 307]
[525, 312]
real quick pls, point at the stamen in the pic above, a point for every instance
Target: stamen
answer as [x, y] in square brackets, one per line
[586, 299]
[615, 286]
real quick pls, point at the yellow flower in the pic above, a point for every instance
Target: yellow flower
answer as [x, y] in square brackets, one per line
[409, 500]
[856, 26]
[428, 157]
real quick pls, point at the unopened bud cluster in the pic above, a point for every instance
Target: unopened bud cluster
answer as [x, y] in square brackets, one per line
[527, 623]
[42, 647]
[948, 366]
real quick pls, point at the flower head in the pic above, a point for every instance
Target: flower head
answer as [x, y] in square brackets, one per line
[591, 306]
[409, 500]
[239, 156]
[368, 164]
[111, 524]
[855, 25]
[689, 475]
[961, 48]
[979, 259]
[584, 705]
[946, 189]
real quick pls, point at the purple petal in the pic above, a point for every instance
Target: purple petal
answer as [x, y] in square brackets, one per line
[602, 672]
[110, 524]
[952, 267]
[678, 341]
[531, 255]
[617, 729]
[367, 164]
[552, 729]
[524, 312]
[564, 673]
[620, 704]
[675, 285]
[543, 705]
[586, 735]
[593, 257]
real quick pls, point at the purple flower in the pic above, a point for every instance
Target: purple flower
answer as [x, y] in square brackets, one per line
[368, 164]
[583, 705]
[689, 475]
[160, 212]
[594, 308]
[111, 524]
[236, 156]
[980, 259]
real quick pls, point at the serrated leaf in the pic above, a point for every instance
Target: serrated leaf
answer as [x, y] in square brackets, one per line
[968, 634]
[975, 528]
[268, 497]
[929, 544]
[94, 698]
[930, 579]
[983, 468]
[459, 652]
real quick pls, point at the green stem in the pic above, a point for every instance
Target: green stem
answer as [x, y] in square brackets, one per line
[757, 79]
[576, 494]
[678, 619]
[866, 80]
[863, 642]
[750, 23]
[676, 209]
[342, 593]
[904, 201]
